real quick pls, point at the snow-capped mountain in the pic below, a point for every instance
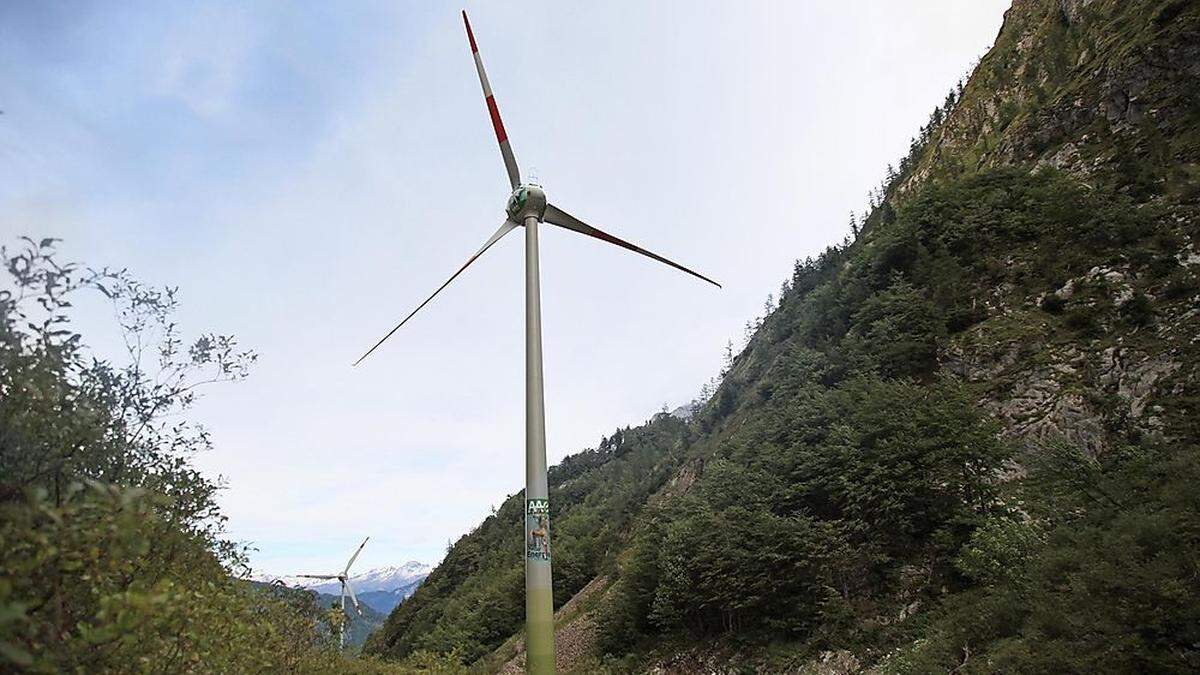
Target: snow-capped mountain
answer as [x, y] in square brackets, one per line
[391, 578]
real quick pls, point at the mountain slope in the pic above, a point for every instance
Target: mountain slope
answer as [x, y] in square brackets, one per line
[964, 441]
[472, 601]
[386, 601]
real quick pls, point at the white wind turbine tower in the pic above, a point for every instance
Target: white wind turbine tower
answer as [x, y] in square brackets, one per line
[344, 580]
[528, 207]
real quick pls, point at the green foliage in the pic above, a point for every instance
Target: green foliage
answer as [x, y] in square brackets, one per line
[736, 567]
[899, 329]
[872, 487]
[422, 662]
[1053, 303]
[626, 616]
[997, 550]
[1102, 578]
[1082, 319]
[101, 583]
[987, 221]
[68, 416]
[826, 494]
[112, 554]
[1137, 310]
[888, 302]
[1180, 285]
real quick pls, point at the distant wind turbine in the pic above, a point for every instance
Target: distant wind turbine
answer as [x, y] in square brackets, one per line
[344, 580]
[528, 207]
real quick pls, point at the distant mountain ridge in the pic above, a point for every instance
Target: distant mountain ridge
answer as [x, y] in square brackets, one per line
[382, 588]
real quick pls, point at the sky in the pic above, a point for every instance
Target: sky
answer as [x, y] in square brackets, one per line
[307, 173]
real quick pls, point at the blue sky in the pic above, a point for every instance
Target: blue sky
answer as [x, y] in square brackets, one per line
[307, 173]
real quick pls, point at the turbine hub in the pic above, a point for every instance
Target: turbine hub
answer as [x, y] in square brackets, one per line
[527, 200]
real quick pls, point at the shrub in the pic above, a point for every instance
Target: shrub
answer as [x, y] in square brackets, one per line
[113, 556]
[1102, 578]
[900, 330]
[1181, 285]
[1137, 310]
[959, 319]
[1082, 319]
[1053, 303]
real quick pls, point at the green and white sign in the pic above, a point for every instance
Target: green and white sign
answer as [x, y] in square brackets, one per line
[537, 529]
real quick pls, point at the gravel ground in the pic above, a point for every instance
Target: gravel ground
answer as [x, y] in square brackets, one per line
[572, 642]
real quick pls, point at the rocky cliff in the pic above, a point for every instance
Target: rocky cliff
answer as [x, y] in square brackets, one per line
[1104, 90]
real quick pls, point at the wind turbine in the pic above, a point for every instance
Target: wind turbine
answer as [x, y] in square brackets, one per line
[527, 206]
[344, 580]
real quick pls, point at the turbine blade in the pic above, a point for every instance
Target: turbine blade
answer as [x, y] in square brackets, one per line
[318, 576]
[353, 598]
[346, 572]
[557, 216]
[504, 229]
[510, 162]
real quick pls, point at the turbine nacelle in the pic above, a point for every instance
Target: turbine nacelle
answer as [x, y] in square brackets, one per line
[527, 200]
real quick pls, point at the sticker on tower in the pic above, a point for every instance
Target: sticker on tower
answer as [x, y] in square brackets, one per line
[537, 529]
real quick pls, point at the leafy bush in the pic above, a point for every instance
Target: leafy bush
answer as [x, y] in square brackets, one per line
[1082, 319]
[112, 553]
[1053, 303]
[876, 472]
[1180, 285]
[960, 318]
[739, 567]
[900, 330]
[1101, 578]
[1137, 310]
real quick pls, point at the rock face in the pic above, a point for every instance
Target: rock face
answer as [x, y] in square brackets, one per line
[1135, 376]
[1082, 85]
[1073, 9]
[1088, 87]
[834, 663]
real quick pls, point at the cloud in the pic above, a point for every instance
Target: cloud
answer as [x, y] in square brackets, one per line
[204, 58]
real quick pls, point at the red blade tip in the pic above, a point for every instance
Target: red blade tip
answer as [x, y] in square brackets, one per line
[470, 35]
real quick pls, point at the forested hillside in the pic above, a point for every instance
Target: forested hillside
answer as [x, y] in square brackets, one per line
[965, 440]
